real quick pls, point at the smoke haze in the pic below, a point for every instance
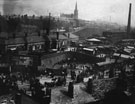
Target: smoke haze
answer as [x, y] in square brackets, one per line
[106, 10]
[15, 7]
[9, 6]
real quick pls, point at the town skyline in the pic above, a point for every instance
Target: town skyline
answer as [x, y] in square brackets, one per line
[104, 10]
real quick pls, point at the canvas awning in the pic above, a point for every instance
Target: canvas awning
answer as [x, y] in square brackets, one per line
[123, 56]
[93, 40]
[105, 63]
[88, 49]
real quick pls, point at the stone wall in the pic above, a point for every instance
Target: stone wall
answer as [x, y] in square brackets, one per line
[50, 60]
[101, 86]
[27, 100]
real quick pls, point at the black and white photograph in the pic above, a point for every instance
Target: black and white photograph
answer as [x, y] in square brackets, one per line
[67, 51]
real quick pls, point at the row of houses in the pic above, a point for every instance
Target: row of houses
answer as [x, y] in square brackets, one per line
[35, 41]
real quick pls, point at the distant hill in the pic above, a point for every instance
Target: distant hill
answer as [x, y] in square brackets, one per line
[96, 28]
[88, 32]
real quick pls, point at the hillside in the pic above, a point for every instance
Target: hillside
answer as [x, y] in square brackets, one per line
[87, 32]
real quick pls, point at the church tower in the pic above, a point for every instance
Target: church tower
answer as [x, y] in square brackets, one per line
[76, 12]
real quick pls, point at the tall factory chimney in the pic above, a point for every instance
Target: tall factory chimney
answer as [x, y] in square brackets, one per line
[49, 23]
[129, 21]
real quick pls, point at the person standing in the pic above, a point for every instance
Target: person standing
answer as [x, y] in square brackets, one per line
[48, 95]
[89, 85]
[71, 89]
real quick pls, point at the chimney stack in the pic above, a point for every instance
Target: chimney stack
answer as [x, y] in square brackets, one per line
[57, 33]
[48, 27]
[129, 21]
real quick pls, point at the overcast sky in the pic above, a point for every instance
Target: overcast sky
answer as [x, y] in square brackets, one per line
[109, 10]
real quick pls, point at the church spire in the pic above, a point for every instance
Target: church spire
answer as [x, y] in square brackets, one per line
[76, 6]
[76, 12]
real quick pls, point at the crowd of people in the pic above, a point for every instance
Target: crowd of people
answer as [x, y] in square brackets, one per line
[42, 92]
[9, 84]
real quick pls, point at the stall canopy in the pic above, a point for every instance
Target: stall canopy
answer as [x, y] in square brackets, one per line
[105, 63]
[93, 40]
[123, 56]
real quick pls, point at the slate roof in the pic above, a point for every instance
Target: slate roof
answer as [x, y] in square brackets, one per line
[13, 41]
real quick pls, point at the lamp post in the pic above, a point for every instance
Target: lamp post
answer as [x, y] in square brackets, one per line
[57, 39]
[58, 31]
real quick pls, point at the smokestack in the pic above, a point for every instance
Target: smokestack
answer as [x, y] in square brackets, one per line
[129, 20]
[48, 27]
[57, 34]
